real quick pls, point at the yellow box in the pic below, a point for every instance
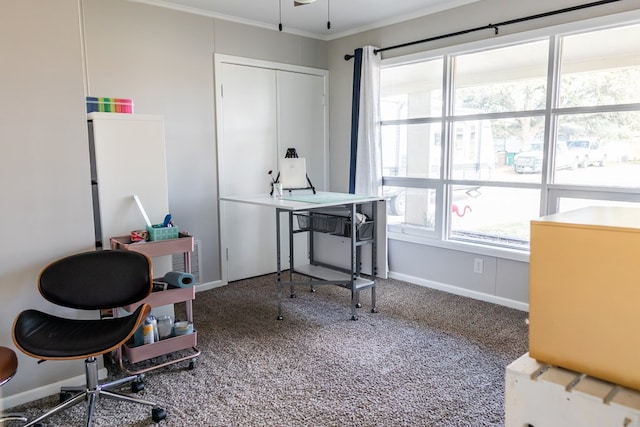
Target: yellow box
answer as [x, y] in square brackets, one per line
[584, 292]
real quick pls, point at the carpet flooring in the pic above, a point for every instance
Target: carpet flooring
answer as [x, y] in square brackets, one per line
[427, 358]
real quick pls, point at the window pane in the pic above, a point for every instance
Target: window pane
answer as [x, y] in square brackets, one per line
[498, 149]
[411, 91]
[411, 150]
[605, 147]
[500, 80]
[493, 215]
[411, 206]
[601, 68]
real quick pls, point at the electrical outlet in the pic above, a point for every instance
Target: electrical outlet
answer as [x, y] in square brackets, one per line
[478, 265]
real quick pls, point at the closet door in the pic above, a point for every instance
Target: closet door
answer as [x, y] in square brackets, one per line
[302, 122]
[262, 110]
[247, 151]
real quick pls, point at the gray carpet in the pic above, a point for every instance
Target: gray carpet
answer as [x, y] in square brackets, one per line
[428, 358]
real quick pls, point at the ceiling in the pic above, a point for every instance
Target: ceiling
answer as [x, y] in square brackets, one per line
[346, 16]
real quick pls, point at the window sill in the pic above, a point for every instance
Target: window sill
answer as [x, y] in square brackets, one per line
[497, 252]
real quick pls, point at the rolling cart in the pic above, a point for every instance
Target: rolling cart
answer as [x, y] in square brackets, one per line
[134, 354]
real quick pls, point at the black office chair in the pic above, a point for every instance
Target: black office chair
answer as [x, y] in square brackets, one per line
[88, 281]
[8, 368]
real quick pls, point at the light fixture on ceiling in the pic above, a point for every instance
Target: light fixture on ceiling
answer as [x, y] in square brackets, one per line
[303, 3]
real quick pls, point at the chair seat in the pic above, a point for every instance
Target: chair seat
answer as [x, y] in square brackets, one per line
[45, 336]
[8, 364]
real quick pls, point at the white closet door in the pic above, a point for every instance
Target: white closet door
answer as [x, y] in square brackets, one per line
[262, 110]
[301, 121]
[247, 151]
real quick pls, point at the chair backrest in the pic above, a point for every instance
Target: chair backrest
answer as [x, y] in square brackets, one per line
[97, 280]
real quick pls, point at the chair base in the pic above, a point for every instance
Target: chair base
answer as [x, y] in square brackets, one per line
[5, 418]
[92, 391]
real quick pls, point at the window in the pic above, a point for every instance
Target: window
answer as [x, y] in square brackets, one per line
[531, 128]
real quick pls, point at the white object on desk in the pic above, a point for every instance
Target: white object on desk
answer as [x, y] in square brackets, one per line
[277, 190]
[142, 211]
[293, 172]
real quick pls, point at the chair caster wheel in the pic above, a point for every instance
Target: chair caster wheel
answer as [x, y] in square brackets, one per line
[137, 386]
[158, 414]
[354, 317]
[374, 310]
[293, 296]
[279, 317]
[64, 396]
[358, 305]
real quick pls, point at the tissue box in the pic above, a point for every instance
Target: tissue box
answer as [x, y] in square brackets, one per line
[158, 232]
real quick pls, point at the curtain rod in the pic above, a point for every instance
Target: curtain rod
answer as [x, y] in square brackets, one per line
[493, 26]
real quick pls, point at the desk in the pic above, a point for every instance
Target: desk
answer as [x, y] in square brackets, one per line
[312, 208]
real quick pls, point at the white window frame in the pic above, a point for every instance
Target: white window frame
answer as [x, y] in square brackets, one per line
[550, 193]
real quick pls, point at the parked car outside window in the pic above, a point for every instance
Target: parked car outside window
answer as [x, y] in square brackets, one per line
[589, 152]
[531, 160]
[396, 200]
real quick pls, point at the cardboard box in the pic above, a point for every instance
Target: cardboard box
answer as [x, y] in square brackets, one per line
[584, 292]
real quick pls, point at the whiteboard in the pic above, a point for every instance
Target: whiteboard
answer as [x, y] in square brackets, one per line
[128, 157]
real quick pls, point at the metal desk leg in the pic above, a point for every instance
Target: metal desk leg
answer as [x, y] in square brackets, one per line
[292, 289]
[278, 266]
[374, 255]
[355, 295]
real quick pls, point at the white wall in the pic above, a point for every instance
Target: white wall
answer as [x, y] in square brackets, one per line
[163, 60]
[504, 280]
[45, 194]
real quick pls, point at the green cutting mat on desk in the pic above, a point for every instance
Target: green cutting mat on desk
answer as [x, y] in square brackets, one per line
[325, 198]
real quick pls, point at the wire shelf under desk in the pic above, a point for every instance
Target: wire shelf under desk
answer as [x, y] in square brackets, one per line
[330, 276]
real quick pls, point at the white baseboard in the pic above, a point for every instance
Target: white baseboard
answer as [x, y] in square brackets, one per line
[518, 305]
[44, 391]
[209, 285]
